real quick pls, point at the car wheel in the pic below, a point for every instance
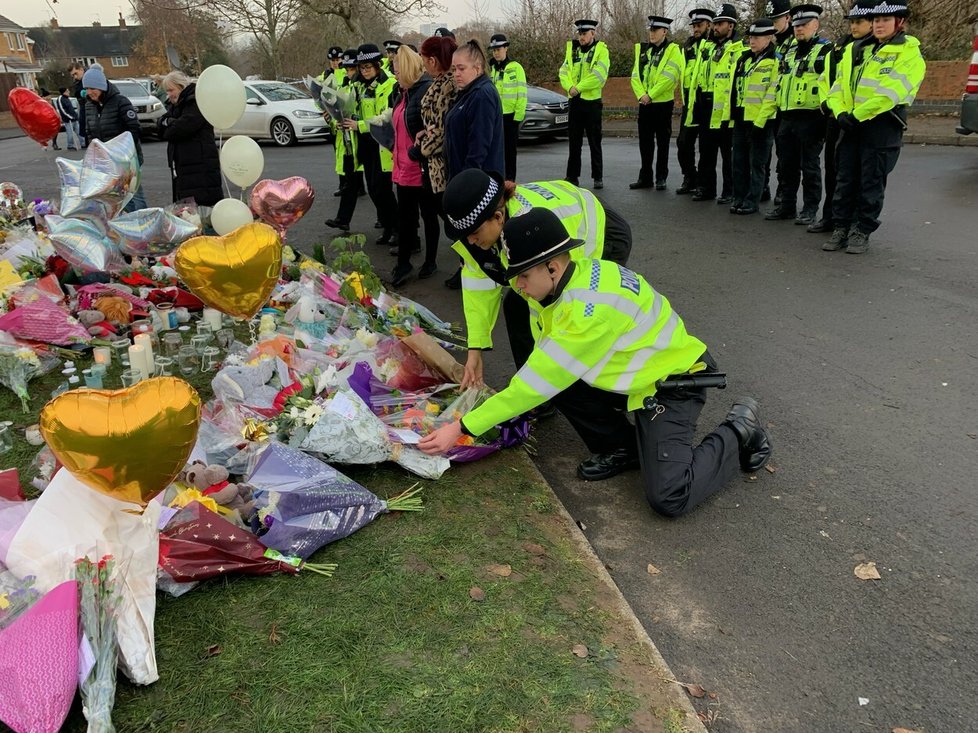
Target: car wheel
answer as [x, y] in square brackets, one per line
[282, 132]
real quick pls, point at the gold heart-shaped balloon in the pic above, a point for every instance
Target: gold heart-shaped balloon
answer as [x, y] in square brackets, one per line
[235, 273]
[128, 443]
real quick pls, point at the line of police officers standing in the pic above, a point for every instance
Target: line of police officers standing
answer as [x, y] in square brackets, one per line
[786, 87]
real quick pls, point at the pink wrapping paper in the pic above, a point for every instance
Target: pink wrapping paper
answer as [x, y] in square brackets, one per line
[44, 321]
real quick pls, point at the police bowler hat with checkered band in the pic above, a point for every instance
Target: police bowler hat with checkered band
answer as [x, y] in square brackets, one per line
[470, 199]
[860, 9]
[889, 7]
[534, 238]
[368, 53]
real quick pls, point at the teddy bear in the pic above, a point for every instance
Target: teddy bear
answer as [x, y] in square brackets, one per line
[96, 323]
[212, 481]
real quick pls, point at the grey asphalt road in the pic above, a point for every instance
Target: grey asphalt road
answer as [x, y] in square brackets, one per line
[865, 367]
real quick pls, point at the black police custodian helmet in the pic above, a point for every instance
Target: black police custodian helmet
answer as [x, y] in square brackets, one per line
[443, 33]
[469, 200]
[726, 12]
[776, 8]
[533, 238]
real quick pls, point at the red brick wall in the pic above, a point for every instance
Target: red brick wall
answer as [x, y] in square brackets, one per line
[944, 81]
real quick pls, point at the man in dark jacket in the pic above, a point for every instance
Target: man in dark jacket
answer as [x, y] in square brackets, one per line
[109, 113]
[77, 71]
[69, 118]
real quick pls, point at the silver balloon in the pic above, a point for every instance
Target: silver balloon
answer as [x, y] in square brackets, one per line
[110, 172]
[83, 246]
[151, 232]
[72, 203]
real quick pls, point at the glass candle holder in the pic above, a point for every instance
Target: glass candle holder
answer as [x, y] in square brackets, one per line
[204, 327]
[200, 341]
[225, 337]
[120, 347]
[129, 377]
[187, 360]
[164, 366]
[92, 379]
[171, 344]
[210, 358]
[141, 326]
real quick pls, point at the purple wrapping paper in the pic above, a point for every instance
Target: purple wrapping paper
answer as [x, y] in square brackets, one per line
[304, 503]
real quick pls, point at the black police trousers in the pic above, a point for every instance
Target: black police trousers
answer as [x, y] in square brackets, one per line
[831, 171]
[865, 157]
[654, 133]
[686, 152]
[801, 135]
[713, 141]
[379, 184]
[751, 153]
[511, 135]
[350, 183]
[584, 117]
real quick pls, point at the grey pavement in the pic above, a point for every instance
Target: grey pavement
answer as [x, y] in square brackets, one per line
[865, 367]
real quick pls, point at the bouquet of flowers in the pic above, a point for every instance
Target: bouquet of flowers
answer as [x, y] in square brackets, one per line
[16, 596]
[98, 585]
[18, 365]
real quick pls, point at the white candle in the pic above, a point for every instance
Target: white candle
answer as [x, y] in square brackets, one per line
[212, 317]
[146, 341]
[137, 360]
[103, 355]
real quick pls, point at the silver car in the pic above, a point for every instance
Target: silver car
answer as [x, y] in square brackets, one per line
[546, 113]
[148, 108]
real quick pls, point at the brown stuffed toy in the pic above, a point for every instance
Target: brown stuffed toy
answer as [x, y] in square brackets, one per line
[208, 480]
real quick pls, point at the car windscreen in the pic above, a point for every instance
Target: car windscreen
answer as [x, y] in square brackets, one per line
[279, 92]
[131, 89]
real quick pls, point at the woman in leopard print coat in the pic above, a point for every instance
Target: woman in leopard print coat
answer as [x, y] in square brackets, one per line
[437, 55]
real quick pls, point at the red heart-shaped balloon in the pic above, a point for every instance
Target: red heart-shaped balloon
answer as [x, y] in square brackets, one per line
[34, 115]
[282, 203]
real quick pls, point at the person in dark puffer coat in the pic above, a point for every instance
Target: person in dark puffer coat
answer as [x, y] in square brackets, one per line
[190, 149]
[109, 113]
[474, 125]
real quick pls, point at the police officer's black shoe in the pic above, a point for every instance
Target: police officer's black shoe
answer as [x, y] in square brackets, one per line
[838, 240]
[640, 184]
[598, 184]
[605, 465]
[702, 195]
[803, 219]
[858, 242]
[724, 200]
[337, 224]
[687, 186]
[660, 185]
[820, 227]
[574, 181]
[338, 192]
[745, 210]
[779, 213]
[744, 419]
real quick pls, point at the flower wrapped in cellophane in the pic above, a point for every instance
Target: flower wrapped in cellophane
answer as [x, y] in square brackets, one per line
[19, 365]
[98, 584]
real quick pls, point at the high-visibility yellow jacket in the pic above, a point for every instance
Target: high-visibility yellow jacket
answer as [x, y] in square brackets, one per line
[886, 76]
[805, 74]
[609, 328]
[482, 292]
[697, 54]
[586, 70]
[373, 99]
[343, 149]
[723, 62]
[657, 71]
[757, 86]
[510, 80]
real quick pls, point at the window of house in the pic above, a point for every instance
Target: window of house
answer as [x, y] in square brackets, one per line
[85, 61]
[10, 40]
[20, 41]
[120, 61]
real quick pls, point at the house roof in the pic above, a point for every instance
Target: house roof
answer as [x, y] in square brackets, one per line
[16, 65]
[84, 41]
[8, 25]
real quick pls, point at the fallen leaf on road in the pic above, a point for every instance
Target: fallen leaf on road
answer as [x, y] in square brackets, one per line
[770, 469]
[866, 571]
[477, 594]
[503, 571]
[533, 548]
[904, 730]
[692, 688]
[580, 651]
[652, 569]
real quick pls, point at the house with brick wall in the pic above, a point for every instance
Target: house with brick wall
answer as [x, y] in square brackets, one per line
[18, 65]
[111, 46]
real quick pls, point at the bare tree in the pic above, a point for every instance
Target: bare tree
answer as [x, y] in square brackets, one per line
[185, 26]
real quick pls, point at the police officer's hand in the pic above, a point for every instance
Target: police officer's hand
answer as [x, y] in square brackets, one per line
[473, 370]
[646, 99]
[350, 124]
[847, 121]
[573, 92]
[442, 439]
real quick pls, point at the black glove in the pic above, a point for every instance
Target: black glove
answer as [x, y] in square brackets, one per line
[847, 121]
[414, 153]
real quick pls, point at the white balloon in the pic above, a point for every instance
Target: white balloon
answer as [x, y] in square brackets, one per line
[220, 96]
[229, 214]
[242, 160]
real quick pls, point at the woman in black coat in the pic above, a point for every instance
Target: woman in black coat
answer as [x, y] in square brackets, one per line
[190, 148]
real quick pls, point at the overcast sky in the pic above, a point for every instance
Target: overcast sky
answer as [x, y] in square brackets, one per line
[82, 12]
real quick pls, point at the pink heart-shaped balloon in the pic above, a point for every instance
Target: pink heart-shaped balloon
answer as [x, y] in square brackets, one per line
[282, 203]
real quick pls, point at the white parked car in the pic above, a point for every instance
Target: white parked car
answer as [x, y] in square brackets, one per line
[148, 108]
[281, 113]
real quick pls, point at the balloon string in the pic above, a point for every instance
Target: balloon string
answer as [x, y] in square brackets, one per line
[224, 178]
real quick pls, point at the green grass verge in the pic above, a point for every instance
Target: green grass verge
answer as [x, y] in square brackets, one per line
[393, 642]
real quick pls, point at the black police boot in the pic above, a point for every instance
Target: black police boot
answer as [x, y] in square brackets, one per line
[641, 183]
[598, 184]
[387, 238]
[337, 224]
[660, 185]
[779, 212]
[687, 186]
[702, 195]
[755, 444]
[573, 181]
[605, 465]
